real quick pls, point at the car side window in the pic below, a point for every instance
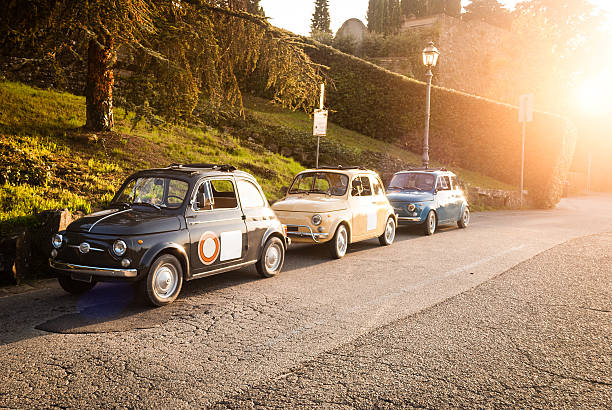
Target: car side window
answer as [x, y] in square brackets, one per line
[443, 184]
[454, 183]
[224, 194]
[367, 186]
[378, 186]
[203, 197]
[250, 196]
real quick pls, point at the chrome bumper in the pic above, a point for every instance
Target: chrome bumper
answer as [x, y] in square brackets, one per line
[408, 219]
[315, 236]
[93, 271]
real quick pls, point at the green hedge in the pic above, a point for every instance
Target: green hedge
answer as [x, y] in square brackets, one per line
[468, 131]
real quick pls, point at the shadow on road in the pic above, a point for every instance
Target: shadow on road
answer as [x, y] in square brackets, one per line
[108, 307]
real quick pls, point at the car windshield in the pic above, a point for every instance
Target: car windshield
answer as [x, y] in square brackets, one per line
[413, 181]
[153, 191]
[330, 183]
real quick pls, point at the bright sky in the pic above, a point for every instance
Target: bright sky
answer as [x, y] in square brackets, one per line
[295, 15]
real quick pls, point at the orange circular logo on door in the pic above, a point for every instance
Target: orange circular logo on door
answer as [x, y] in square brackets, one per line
[209, 248]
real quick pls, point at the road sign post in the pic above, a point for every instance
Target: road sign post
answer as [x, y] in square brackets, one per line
[525, 116]
[319, 128]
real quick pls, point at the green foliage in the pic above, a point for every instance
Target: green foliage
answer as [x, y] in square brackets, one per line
[489, 11]
[424, 8]
[23, 164]
[384, 16]
[82, 171]
[468, 131]
[320, 19]
[180, 52]
[18, 203]
[291, 132]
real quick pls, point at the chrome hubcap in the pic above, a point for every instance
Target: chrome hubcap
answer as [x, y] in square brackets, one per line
[341, 242]
[432, 222]
[273, 258]
[390, 231]
[165, 281]
[466, 217]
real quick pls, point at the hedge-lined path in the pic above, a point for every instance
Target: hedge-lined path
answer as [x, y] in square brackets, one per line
[233, 332]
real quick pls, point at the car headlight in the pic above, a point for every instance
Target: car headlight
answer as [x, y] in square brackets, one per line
[316, 220]
[411, 207]
[119, 247]
[57, 241]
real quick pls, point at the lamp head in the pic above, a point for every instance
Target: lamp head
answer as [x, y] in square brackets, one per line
[430, 55]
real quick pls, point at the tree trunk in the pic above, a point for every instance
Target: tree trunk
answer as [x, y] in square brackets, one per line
[101, 57]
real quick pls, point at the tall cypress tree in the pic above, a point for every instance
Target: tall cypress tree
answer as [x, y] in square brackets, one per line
[320, 19]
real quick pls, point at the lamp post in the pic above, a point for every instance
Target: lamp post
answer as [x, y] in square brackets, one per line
[430, 59]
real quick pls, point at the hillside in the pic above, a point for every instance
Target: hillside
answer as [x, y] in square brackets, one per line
[272, 115]
[49, 162]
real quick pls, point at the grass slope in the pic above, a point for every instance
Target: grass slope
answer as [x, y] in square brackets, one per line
[49, 162]
[274, 115]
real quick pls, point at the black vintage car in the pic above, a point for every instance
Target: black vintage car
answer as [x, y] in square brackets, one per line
[172, 225]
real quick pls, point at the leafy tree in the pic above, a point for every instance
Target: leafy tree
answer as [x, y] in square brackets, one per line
[384, 16]
[489, 11]
[320, 19]
[561, 38]
[182, 53]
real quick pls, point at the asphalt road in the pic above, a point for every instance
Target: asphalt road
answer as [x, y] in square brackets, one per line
[227, 336]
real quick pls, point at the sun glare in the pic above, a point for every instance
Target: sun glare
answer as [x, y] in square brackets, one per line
[594, 95]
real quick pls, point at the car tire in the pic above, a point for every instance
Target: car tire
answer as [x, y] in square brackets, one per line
[465, 218]
[272, 258]
[388, 235]
[75, 287]
[431, 222]
[339, 244]
[164, 281]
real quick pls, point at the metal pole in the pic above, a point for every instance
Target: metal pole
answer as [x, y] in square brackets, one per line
[427, 115]
[317, 163]
[321, 105]
[523, 161]
[589, 166]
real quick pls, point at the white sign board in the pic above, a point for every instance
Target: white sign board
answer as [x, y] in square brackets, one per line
[526, 108]
[320, 123]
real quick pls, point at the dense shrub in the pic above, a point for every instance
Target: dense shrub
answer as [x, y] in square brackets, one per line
[20, 163]
[469, 131]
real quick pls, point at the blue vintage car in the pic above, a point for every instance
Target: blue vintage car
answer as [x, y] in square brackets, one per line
[428, 197]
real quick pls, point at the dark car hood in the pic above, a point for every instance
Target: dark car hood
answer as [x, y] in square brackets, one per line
[126, 222]
[409, 196]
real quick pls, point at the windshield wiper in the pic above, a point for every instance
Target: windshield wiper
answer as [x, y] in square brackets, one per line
[394, 187]
[147, 203]
[301, 191]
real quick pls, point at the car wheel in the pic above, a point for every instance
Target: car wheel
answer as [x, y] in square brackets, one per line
[429, 227]
[272, 258]
[75, 287]
[388, 235]
[339, 244]
[164, 281]
[465, 218]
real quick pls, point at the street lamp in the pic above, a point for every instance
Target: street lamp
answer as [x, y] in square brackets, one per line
[430, 59]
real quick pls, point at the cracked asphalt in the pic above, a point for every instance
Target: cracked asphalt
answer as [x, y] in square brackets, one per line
[539, 336]
[471, 318]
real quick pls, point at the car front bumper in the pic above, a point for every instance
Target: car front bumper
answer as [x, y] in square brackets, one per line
[93, 271]
[409, 219]
[315, 236]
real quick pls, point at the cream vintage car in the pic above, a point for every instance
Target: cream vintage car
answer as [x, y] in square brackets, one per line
[337, 206]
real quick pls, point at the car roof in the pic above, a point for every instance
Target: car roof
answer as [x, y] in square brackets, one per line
[195, 171]
[349, 171]
[434, 171]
